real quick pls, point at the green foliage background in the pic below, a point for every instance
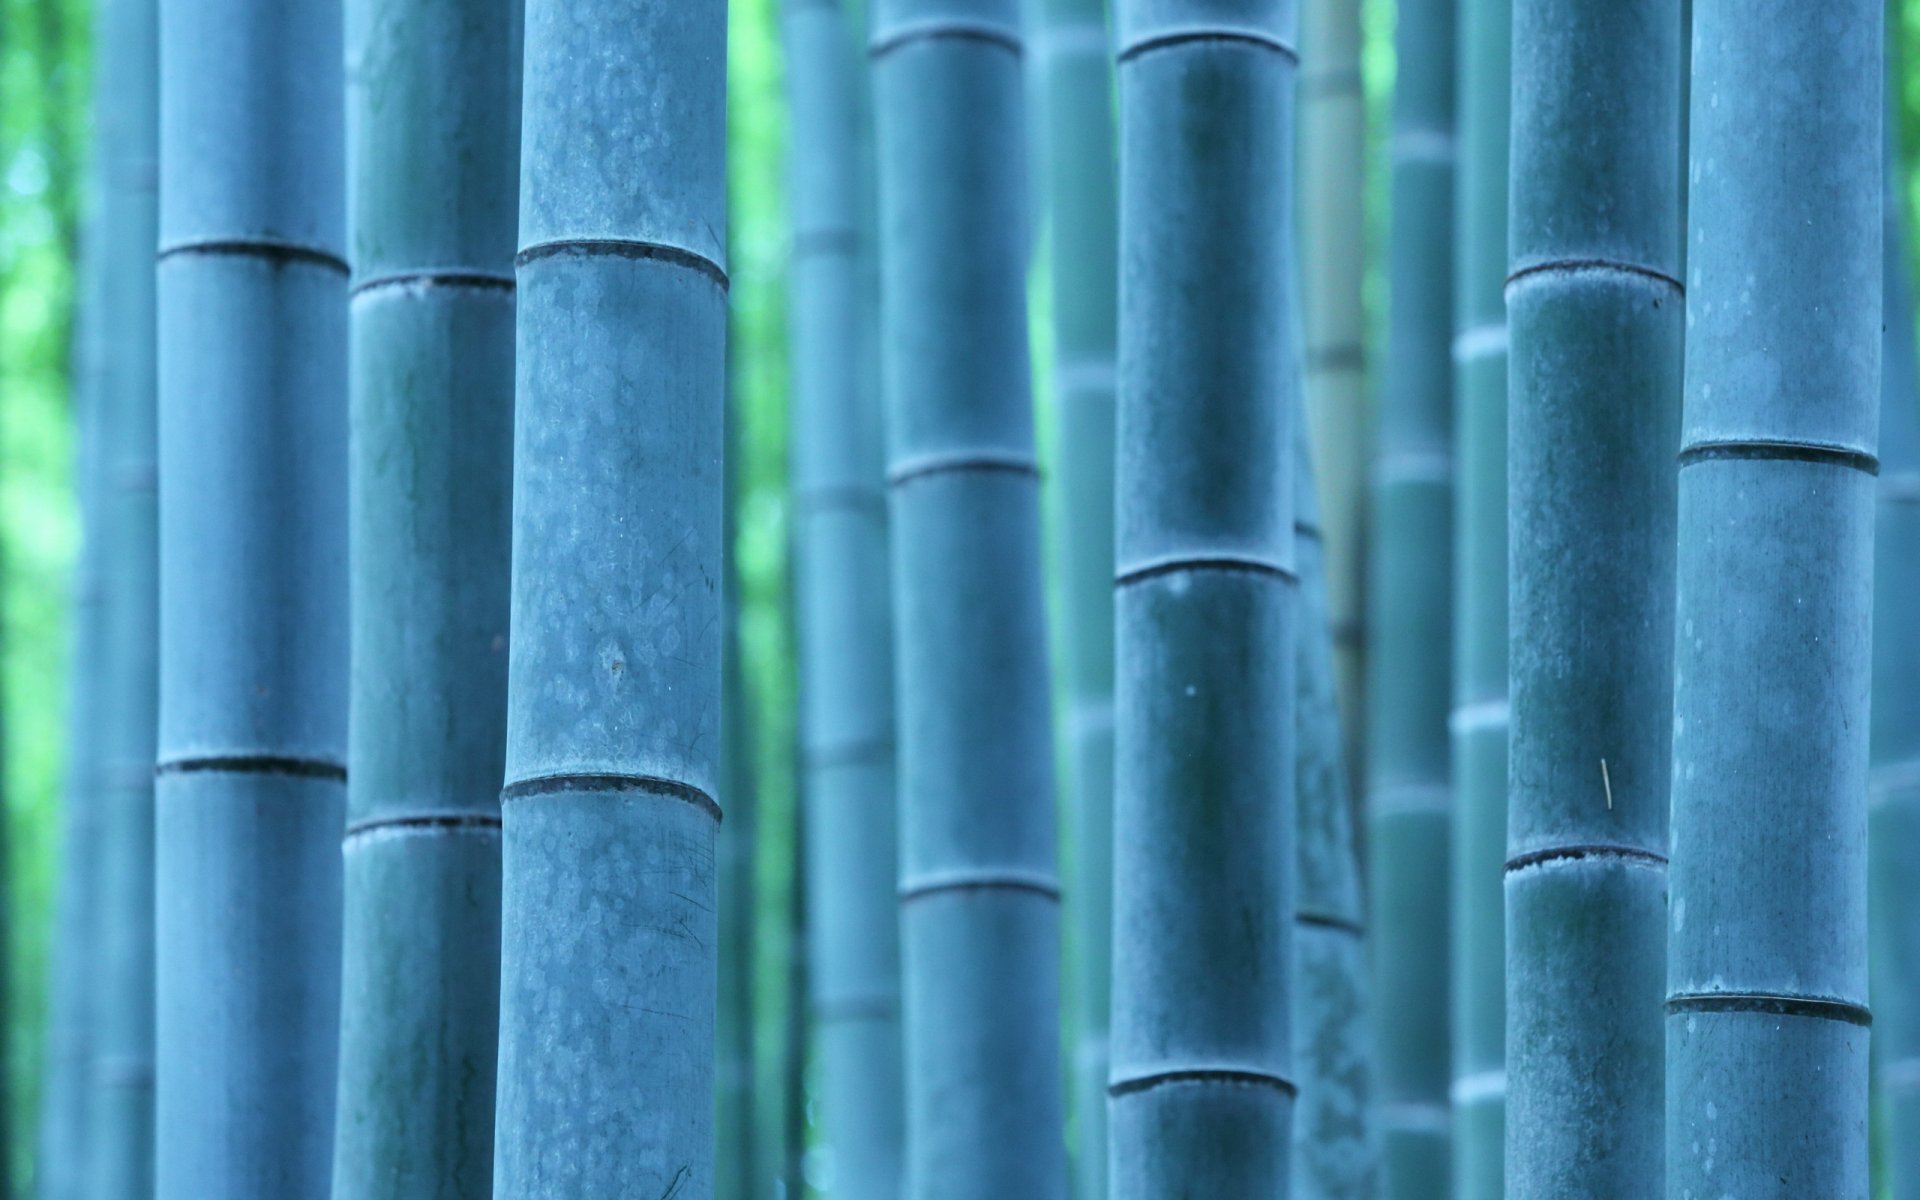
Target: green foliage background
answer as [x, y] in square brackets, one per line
[44, 84]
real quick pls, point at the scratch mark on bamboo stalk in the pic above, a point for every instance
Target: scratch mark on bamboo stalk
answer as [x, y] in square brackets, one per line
[1606, 781]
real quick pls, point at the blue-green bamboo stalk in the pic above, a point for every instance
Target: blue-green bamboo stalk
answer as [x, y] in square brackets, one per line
[608, 954]
[980, 901]
[838, 477]
[1595, 305]
[1077, 146]
[1333, 228]
[60, 1149]
[1766, 1062]
[737, 1163]
[1209, 390]
[1335, 1156]
[253, 597]
[1894, 783]
[1409, 603]
[120, 1140]
[1479, 722]
[433, 118]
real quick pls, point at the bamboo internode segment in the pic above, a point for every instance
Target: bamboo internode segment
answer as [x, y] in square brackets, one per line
[1076, 139]
[1594, 298]
[1893, 778]
[1202, 1086]
[1334, 1153]
[1409, 620]
[981, 994]
[1479, 751]
[253, 631]
[1766, 1090]
[609, 893]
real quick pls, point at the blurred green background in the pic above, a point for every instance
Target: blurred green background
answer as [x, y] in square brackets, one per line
[44, 88]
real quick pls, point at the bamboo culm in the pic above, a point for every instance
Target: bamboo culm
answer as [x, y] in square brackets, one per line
[1409, 623]
[432, 169]
[1894, 783]
[60, 1148]
[843, 614]
[253, 629]
[608, 960]
[1479, 724]
[1766, 1047]
[1595, 305]
[1335, 1156]
[1077, 144]
[1202, 1086]
[120, 1141]
[1333, 155]
[979, 893]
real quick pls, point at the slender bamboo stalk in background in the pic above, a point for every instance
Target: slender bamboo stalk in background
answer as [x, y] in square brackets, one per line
[433, 166]
[980, 902]
[737, 1159]
[1333, 227]
[253, 597]
[1077, 151]
[1335, 1156]
[1766, 1063]
[842, 610]
[120, 1140]
[1202, 1090]
[1596, 308]
[608, 955]
[1479, 722]
[1408, 617]
[60, 1152]
[1894, 784]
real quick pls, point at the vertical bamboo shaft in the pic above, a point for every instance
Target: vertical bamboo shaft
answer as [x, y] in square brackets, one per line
[839, 490]
[1078, 144]
[1335, 1156]
[1766, 1060]
[1202, 1084]
[608, 963]
[433, 167]
[1409, 601]
[980, 901]
[1333, 227]
[1894, 782]
[1479, 722]
[1596, 309]
[120, 1141]
[253, 597]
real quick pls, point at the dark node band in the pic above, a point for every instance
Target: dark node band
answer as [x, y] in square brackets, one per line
[255, 764]
[553, 785]
[678, 256]
[1819, 1009]
[1261, 1079]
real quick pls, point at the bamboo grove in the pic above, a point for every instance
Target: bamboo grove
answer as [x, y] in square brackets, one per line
[965, 599]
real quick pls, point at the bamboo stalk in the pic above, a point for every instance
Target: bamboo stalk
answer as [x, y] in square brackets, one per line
[1410, 602]
[979, 895]
[607, 997]
[1202, 1085]
[433, 165]
[1894, 776]
[1077, 145]
[1335, 1154]
[839, 491]
[1766, 1027]
[253, 597]
[1480, 723]
[1596, 309]
[1333, 151]
[120, 1142]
